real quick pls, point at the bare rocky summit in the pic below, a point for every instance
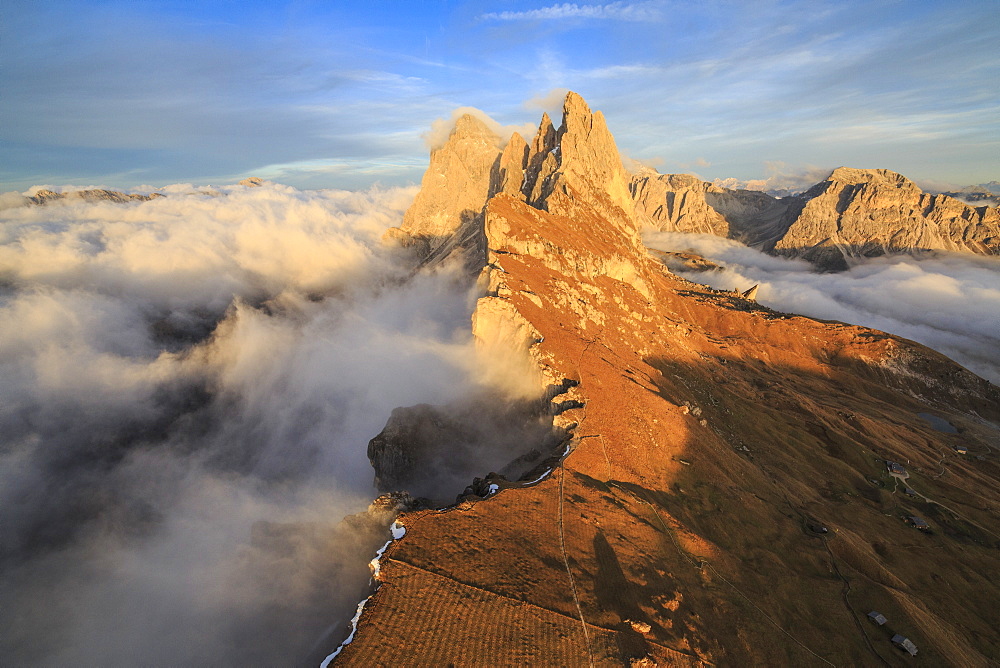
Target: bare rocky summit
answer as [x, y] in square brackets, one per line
[447, 212]
[92, 195]
[561, 170]
[872, 212]
[852, 214]
[717, 490]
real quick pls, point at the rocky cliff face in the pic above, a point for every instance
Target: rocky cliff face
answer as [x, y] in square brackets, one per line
[447, 212]
[434, 452]
[562, 170]
[854, 213]
[677, 203]
[723, 497]
[872, 212]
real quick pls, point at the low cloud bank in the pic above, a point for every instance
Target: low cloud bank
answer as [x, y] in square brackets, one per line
[947, 301]
[441, 128]
[781, 179]
[187, 388]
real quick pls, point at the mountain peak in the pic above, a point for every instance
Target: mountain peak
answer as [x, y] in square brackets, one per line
[882, 177]
[468, 125]
[576, 166]
[693, 430]
[454, 190]
[574, 107]
[871, 212]
[591, 165]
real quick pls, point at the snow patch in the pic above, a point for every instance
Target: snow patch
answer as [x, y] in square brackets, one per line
[539, 478]
[398, 531]
[374, 563]
[354, 629]
[569, 448]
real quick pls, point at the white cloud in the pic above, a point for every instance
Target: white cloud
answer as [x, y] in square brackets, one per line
[441, 128]
[188, 387]
[619, 11]
[780, 177]
[551, 101]
[948, 301]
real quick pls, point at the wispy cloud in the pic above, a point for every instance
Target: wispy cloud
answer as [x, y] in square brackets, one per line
[948, 301]
[618, 11]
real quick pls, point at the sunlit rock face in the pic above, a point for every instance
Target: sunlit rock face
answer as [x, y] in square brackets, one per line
[685, 203]
[854, 213]
[707, 434]
[562, 170]
[871, 212]
[677, 203]
[447, 212]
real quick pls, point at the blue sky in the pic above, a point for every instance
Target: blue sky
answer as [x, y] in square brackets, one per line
[338, 94]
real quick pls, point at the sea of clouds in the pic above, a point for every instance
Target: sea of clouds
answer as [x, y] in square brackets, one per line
[188, 386]
[187, 389]
[947, 301]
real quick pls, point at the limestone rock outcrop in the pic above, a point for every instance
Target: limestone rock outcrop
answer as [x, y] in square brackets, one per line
[574, 168]
[872, 212]
[447, 212]
[854, 213]
[590, 171]
[677, 203]
[433, 452]
[685, 203]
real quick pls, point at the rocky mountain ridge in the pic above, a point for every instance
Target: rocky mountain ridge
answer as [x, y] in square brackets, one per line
[854, 213]
[90, 195]
[718, 487]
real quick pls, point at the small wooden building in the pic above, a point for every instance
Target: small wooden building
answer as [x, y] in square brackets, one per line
[895, 468]
[917, 523]
[904, 644]
[877, 617]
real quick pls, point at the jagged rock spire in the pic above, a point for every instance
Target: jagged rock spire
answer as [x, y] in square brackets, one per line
[582, 170]
[542, 162]
[570, 170]
[455, 187]
[510, 175]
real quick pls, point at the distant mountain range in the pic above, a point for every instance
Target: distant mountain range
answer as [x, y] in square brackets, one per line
[854, 213]
[987, 194]
[990, 189]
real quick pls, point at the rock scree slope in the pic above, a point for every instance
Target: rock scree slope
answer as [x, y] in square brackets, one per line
[718, 491]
